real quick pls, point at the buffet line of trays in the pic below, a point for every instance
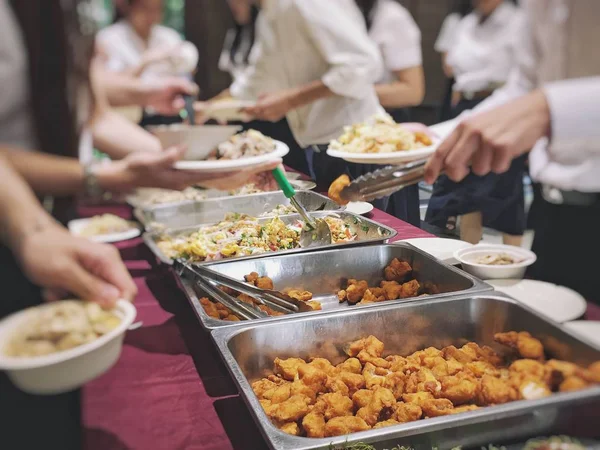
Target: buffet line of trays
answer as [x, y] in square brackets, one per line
[354, 291]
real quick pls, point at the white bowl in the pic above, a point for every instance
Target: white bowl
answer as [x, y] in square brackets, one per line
[200, 140]
[66, 370]
[468, 256]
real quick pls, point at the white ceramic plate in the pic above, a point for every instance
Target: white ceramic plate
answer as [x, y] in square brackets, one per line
[228, 110]
[386, 158]
[280, 151]
[292, 175]
[359, 207]
[443, 249]
[589, 329]
[559, 303]
[303, 185]
[75, 227]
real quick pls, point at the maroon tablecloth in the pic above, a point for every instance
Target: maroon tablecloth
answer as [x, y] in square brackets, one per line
[170, 390]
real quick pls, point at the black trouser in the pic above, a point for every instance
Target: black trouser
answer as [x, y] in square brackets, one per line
[567, 241]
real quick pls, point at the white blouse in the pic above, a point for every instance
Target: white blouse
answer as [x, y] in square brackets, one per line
[398, 37]
[447, 35]
[124, 48]
[484, 53]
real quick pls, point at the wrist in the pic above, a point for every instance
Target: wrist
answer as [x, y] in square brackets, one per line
[115, 177]
[19, 231]
[542, 111]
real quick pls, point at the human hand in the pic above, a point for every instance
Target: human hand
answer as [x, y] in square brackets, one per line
[272, 107]
[77, 267]
[165, 94]
[489, 141]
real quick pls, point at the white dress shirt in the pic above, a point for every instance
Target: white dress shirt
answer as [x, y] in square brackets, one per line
[307, 40]
[484, 53]
[447, 35]
[125, 48]
[398, 37]
[555, 55]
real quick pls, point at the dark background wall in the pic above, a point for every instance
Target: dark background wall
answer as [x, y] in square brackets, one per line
[206, 22]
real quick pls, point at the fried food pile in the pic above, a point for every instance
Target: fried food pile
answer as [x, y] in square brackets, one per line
[367, 390]
[396, 284]
[218, 311]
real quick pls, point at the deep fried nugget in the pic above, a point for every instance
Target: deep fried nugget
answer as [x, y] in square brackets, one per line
[417, 398]
[297, 387]
[410, 289]
[334, 405]
[264, 283]
[528, 367]
[480, 368]
[422, 381]
[251, 277]
[337, 187]
[459, 389]
[278, 394]
[267, 406]
[352, 365]
[397, 271]
[526, 345]
[452, 352]
[391, 289]
[335, 384]
[233, 318]
[573, 383]
[261, 386]
[362, 398]
[356, 291]
[374, 376]
[314, 424]
[485, 353]
[365, 357]
[222, 313]
[395, 381]
[567, 369]
[494, 391]
[407, 412]
[532, 390]
[353, 381]
[342, 295]
[302, 296]
[288, 368]
[312, 377]
[591, 374]
[291, 428]
[210, 308]
[456, 410]
[373, 295]
[324, 365]
[397, 363]
[437, 407]
[370, 344]
[339, 426]
[316, 306]
[386, 423]
[246, 299]
[292, 409]
[380, 406]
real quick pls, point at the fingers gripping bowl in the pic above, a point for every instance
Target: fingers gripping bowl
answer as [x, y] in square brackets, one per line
[60, 370]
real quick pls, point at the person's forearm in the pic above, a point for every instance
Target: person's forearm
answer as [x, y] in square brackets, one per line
[20, 211]
[123, 89]
[398, 95]
[309, 93]
[118, 137]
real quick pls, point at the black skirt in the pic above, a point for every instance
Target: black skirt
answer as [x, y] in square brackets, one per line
[499, 198]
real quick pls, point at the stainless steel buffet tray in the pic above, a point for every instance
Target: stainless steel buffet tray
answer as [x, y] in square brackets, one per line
[323, 273]
[185, 214]
[368, 232]
[249, 351]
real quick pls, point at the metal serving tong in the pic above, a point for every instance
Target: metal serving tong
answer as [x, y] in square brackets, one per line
[384, 182]
[273, 299]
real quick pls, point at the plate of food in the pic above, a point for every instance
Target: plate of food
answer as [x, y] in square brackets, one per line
[241, 151]
[104, 228]
[381, 140]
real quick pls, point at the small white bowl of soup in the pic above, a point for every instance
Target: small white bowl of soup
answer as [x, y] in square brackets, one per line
[50, 351]
[493, 262]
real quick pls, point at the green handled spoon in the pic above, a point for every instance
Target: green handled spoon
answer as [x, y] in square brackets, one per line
[316, 232]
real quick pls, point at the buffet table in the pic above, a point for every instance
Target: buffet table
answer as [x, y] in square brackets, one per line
[170, 390]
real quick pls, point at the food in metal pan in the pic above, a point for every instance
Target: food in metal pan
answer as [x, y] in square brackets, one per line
[497, 259]
[369, 389]
[241, 235]
[381, 134]
[243, 145]
[105, 224]
[60, 326]
[156, 196]
[221, 312]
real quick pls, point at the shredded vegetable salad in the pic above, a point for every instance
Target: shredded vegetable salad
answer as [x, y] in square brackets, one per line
[241, 235]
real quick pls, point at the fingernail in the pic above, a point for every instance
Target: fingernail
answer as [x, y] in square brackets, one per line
[110, 293]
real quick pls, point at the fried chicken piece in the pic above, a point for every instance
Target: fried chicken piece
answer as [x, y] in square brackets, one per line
[278, 394]
[591, 374]
[335, 384]
[437, 407]
[528, 368]
[292, 409]
[352, 365]
[395, 382]
[264, 283]
[452, 352]
[324, 365]
[567, 369]
[291, 428]
[386, 423]
[210, 308]
[397, 271]
[233, 318]
[247, 299]
[334, 405]
[340, 426]
[480, 368]
[337, 187]
[373, 295]
[353, 381]
[527, 346]
[267, 406]
[356, 291]
[297, 387]
[251, 278]
[342, 295]
[297, 294]
[573, 383]
[485, 353]
[533, 390]
[410, 289]
[457, 410]
[454, 366]
[374, 376]
[312, 377]
[314, 425]
[365, 357]
[261, 386]
[397, 363]
[494, 391]
[362, 398]
[459, 389]
[422, 381]
[391, 289]
[288, 368]
[316, 306]
[417, 398]
[223, 313]
[370, 344]
[379, 407]
[407, 412]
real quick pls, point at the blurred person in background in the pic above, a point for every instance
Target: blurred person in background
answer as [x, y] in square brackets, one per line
[443, 43]
[316, 66]
[394, 31]
[548, 109]
[138, 45]
[481, 58]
